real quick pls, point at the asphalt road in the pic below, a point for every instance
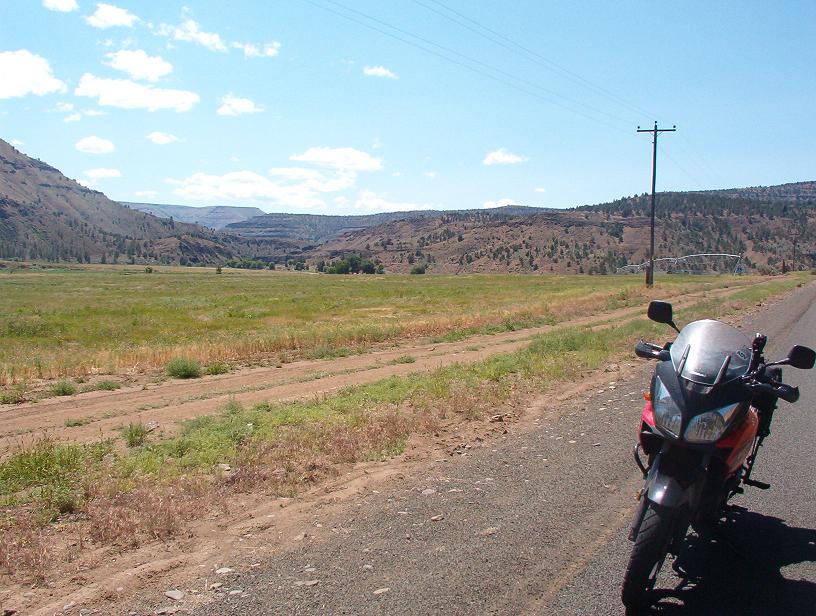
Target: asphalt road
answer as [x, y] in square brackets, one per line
[535, 523]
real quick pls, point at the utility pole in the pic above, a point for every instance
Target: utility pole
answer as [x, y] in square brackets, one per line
[655, 132]
[795, 241]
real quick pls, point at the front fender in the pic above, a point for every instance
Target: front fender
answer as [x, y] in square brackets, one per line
[676, 477]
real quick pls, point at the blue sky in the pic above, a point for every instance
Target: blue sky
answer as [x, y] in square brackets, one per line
[356, 106]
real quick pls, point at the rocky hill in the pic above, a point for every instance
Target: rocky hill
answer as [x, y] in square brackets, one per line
[595, 239]
[45, 215]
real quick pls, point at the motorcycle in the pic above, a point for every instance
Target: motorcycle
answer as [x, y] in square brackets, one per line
[709, 408]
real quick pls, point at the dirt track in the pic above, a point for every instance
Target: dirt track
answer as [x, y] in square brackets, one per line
[103, 414]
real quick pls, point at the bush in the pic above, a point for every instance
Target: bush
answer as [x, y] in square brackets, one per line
[107, 385]
[218, 367]
[419, 269]
[63, 388]
[148, 270]
[134, 434]
[181, 368]
[15, 395]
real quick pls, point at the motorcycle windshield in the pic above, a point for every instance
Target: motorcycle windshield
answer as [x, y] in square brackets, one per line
[709, 352]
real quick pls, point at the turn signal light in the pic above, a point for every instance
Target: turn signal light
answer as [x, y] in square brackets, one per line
[647, 395]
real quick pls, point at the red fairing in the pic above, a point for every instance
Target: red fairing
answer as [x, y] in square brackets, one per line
[648, 414]
[739, 441]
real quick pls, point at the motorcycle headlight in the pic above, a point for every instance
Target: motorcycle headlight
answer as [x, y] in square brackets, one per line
[709, 427]
[667, 415]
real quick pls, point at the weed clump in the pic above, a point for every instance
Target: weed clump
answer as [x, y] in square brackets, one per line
[181, 368]
[134, 434]
[75, 423]
[107, 386]
[218, 367]
[15, 395]
[404, 359]
[63, 388]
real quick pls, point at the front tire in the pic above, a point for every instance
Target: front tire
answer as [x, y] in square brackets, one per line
[649, 552]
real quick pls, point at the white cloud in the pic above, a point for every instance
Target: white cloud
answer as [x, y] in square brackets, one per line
[86, 183]
[190, 32]
[63, 6]
[502, 157]
[128, 94]
[64, 107]
[246, 186]
[74, 117]
[95, 145]
[103, 173]
[431, 175]
[541, 190]
[499, 203]
[372, 202]
[296, 173]
[269, 50]
[235, 106]
[147, 194]
[16, 143]
[348, 159]
[161, 138]
[288, 187]
[379, 71]
[108, 16]
[139, 65]
[93, 112]
[26, 73]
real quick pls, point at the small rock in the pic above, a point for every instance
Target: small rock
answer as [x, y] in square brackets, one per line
[162, 611]
[497, 418]
[437, 518]
[237, 591]
[68, 606]
[150, 426]
[306, 583]
[175, 594]
[368, 567]
[381, 591]
[428, 491]
[224, 467]
[299, 537]
[215, 585]
[224, 570]
[492, 530]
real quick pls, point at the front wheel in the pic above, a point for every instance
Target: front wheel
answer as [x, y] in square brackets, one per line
[648, 554]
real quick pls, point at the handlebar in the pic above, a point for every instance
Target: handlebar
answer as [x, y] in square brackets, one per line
[787, 392]
[649, 350]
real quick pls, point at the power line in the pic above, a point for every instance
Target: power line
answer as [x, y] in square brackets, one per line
[475, 69]
[534, 56]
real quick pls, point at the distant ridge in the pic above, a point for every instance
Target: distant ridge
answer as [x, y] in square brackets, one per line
[45, 215]
[213, 216]
[319, 228]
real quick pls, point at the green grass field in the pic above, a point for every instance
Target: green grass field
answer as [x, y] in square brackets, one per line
[58, 323]
[156, 487]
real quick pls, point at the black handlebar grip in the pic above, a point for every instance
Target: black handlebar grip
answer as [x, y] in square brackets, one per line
[642, 349]
[787, 393]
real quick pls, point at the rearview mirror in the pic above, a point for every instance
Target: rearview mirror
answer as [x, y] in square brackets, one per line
[661, 312]
[801, 357]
